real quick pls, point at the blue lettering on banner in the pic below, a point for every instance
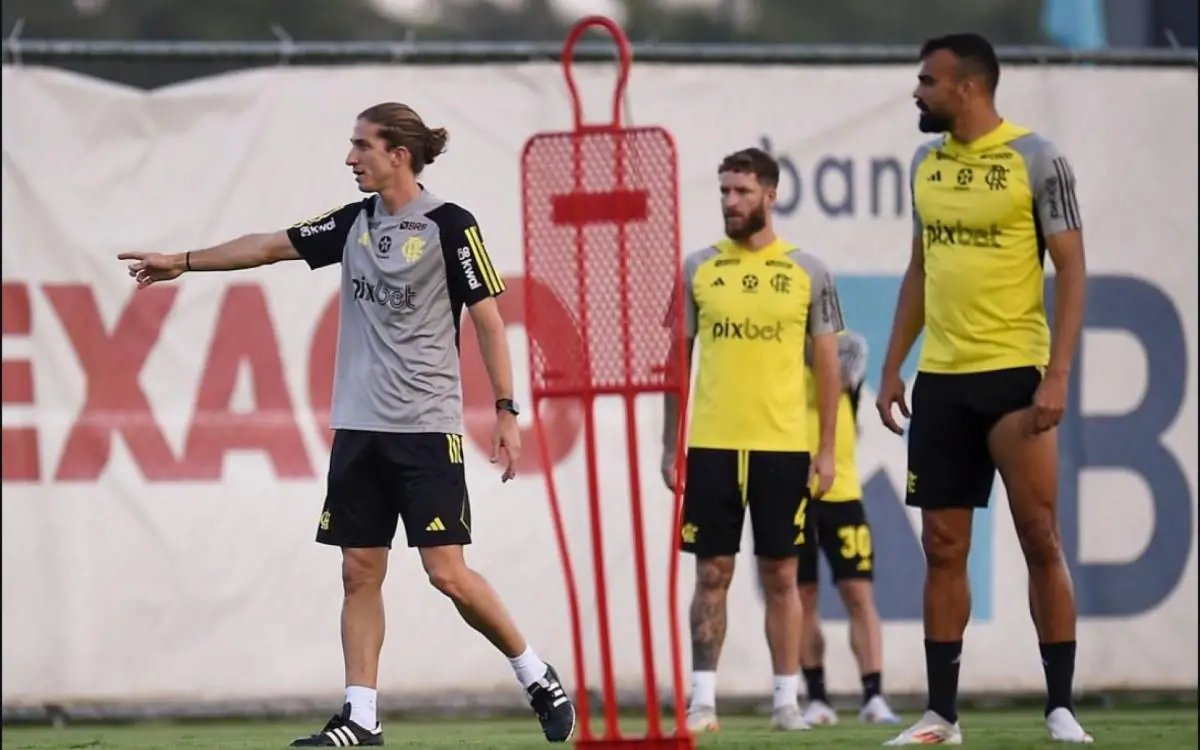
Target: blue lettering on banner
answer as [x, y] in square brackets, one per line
[842, 186]
[1131, 442]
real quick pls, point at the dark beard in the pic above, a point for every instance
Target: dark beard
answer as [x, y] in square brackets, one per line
[754, 224]
[931, 122]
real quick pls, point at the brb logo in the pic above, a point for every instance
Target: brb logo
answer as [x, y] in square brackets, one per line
[747, 330]
[1131, 442]
[961, 235]
[375, 292]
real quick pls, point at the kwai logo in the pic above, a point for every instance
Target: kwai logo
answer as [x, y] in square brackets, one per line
[311, 230]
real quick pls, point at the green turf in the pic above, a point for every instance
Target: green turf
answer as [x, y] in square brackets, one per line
[1150, 729]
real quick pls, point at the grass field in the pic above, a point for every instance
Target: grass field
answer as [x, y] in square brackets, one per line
[1157, 729]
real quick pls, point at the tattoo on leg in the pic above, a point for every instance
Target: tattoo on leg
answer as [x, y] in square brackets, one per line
[708, 631]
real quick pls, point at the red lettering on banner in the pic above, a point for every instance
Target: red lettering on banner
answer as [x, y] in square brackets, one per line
[18, 445]
[245, 333]
[112, 359]
[562, 421]
[322, 356]
[112, 364]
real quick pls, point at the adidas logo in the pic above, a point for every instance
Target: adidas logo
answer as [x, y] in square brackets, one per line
[558, 696]
[345, 737]
[718, 282]
[935, 177]
[436, 525]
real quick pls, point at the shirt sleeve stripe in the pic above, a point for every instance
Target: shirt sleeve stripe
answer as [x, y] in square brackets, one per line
[1066, 193]
[490, 278]
[833, 305]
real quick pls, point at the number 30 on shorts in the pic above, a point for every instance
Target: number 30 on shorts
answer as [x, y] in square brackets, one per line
[856, 542]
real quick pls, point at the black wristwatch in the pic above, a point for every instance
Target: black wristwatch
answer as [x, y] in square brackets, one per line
[508, 405]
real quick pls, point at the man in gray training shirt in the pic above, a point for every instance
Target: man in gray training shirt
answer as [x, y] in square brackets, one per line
[410, 263]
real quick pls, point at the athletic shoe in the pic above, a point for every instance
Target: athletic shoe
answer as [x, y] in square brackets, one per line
[552, 706]
[820, 714]
[1064, 727]
[702, 719]
[930, 730]
[788, 719]
[340, 731]
[877, 711]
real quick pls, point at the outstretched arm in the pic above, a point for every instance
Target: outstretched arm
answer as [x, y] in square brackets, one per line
[318, 241]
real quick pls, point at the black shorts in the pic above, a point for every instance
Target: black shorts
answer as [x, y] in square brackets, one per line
[949, 463]
[377, 478]
[720, 484]
[841, 532]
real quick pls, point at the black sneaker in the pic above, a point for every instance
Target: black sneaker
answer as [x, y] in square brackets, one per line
[552, 706]
[341, 732]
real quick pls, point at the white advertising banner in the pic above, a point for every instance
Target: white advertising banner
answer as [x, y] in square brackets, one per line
[163, 456]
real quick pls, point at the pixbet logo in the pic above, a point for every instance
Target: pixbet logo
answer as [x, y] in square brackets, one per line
[379, 293]
[746, 330]
[961, 235]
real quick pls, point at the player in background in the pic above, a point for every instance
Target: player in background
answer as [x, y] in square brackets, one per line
[837, 525]
[410, 263]
[990, 199]
[753, 300]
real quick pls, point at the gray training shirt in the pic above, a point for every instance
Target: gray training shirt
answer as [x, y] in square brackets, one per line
[405, 280]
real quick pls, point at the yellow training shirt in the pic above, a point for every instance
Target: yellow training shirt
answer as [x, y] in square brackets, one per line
[751, 311]
[852, 356]
[983, 211]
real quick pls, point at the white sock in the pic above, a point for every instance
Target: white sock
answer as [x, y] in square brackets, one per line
[362, 706]
[785, 691]
[528, 667]
[704, 689]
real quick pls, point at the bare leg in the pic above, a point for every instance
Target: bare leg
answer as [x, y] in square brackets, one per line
[866, 639]
[713, 576]
[1028, 465]
[946, 539]
[1029, 468]
[812, 640]
[474, 598]
[783, 613]
[363, 571]
[480, 607]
